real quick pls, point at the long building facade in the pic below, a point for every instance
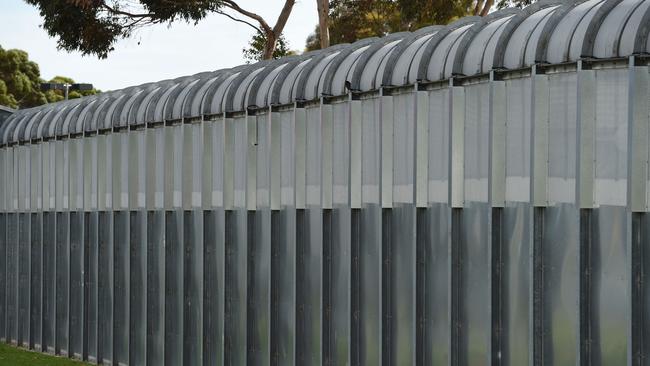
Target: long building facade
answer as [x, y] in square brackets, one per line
[470, 194]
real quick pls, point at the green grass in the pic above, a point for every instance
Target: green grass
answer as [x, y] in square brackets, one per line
[12, 356]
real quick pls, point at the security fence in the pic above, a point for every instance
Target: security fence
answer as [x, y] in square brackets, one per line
[471, 194]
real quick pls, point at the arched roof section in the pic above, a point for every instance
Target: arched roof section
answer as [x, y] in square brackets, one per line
[403, 56]
[235, 98]
[370, 62]
[213, 102]
[548, 32]
[176, 102]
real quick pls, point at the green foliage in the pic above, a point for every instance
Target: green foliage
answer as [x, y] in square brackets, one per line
[11, 356]
[20, 82]
[20, 79]
[501, 4]
[351, 20]
[93, 26]
[255, 49]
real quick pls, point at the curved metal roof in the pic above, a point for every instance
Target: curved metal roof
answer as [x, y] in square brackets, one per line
[549, 31]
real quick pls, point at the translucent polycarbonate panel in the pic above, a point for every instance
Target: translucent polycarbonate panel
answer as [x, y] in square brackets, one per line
[644, 235]
[283, 299]
[518, 138]
[90, 173]
[283, 243]
[287, 158]
[121, 273]
[309, 284]
[76, 175]
[62, 276]
[611, 284]
[36, 279]
[105, 172]
[137, 164]
[3, 273]
[562, 137]
[155, 169]
[213, 287]
[474, 282]
[371, 150]
[611, 150]
[259, 286]
[49, 181]
[369, 270]
[262, 148]
[11, 183]
[36, 179]
[120, 172]
[516, 254]
[105, 282]
[3, 180]
[12, 279]
[341, 154]
[399, 260]
[192, 288]
[23, 166]
[174, 256]
[369, 240]
[192, 165]
[560, 288]
[402, 239]
[49, 279]
[235, 307]
[437, 285]
[313, 157]
[403, 148]
[91, 283]
[138, 287]
[259, 251]
[439, 145]
[173, 166]
[477, 127]
[62, 175]
[77, 288]
[240, 150]
[309, 246]
[23, 283]
[155, 352]
[215, 144]
[340, 236]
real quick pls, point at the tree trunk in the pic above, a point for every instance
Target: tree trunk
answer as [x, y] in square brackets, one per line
[272, 36]
[323, 22]
[269, 46]
[487, 7]
[478, 7]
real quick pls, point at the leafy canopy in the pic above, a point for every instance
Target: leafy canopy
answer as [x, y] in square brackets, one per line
[351, 20]
[20, 82]
[255, 50]
[93, 26]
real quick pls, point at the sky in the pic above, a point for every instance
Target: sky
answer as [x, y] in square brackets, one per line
[154, 53]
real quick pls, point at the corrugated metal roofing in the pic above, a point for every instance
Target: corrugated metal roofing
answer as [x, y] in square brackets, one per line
[549, 31]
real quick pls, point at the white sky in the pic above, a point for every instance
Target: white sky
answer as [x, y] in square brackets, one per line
[164, 52]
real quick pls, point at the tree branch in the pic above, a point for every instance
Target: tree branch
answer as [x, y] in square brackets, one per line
[477, 8]
[239, 20]
[283, 17]
[234, 6]
[127, 14]
[487, 7]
